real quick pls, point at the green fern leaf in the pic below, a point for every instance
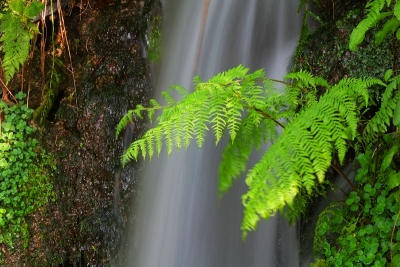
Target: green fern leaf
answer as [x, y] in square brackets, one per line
[396, 9]
[17, 6]
[389, 27]
[17, 33]
[253, 132]
[382, 118]
[33, 9]
[303, 152]
[374, 15]
[126, 119]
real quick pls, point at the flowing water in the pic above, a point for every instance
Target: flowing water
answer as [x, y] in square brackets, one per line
[180, 221]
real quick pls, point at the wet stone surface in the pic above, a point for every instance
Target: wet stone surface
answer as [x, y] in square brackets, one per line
[84, 225]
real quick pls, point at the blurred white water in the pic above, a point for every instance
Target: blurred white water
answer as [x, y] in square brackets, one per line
[180, 221]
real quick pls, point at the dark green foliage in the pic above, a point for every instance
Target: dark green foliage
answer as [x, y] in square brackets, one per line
[377, 10]
[17, 31]
[363, 230]
[247, 107]
[389, 106]
[326, 11]
[24, 173]
[325, 52]
[369, 60]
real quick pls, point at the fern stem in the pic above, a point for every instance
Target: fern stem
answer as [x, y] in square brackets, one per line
[341, 173]
[279, 81]
[263, 113]
[266, 115]
[6, 91]
[392, 235]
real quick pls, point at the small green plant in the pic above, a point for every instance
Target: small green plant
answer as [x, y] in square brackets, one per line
[388, 113]
[25, 171]
[17, 31]
[377, 11]
[363, 230]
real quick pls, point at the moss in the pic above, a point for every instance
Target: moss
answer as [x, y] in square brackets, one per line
[154, 40]
[325, 51]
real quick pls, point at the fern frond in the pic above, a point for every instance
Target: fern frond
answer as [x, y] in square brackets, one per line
[151, 111]
[298, 160]
[389, 27]
[253, 132]
[374, 15]
[396, 9]
[382, 118]
[304, 85]
[219, 103]
[218, 113]
[126, 119]
[17, 32]
[234, 109]
[305, 79]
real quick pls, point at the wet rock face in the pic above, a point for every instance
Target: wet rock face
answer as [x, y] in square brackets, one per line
[112, 75]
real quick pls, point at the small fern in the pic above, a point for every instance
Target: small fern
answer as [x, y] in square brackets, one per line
[305, 90]
[382, 119]
[17, 31]
[376, 13]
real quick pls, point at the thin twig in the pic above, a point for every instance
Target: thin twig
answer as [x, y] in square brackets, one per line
[64, 33]
[280, 81]
[7, 91]
[263, 113]
[266, 115]
[22, 78]
[391, 238]
[341, 173]
[43, 44]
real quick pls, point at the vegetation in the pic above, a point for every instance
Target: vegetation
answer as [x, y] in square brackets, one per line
[24, 173]
[17, 31]
[361, 231]
[376, 12]
[25, 168]
[100, 46]
[154, 39]
[320, 123]
[246, 106]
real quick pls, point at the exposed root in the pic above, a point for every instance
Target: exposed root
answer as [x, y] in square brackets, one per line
[43, 43]
[65, 39]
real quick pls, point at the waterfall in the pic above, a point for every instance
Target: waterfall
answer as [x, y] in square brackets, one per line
[180, 222]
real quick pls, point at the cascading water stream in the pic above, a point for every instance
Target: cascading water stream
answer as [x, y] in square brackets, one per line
[180, 221]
